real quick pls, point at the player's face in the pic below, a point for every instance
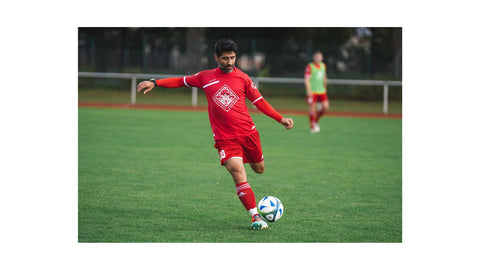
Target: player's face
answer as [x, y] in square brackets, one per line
[317, 58]
[226, 61]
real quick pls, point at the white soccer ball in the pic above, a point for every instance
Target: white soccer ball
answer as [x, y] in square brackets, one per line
[270, 208]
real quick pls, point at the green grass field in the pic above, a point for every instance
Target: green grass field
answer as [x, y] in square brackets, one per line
[154, 176]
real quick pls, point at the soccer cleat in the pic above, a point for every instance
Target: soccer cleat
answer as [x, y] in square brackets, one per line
[315, 129]
[258, 223]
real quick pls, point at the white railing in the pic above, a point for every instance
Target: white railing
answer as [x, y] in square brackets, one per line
[134, 77]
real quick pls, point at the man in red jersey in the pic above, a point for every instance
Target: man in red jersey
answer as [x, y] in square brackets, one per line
[236, 138]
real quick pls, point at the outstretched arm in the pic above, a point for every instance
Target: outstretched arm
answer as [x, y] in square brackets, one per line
[148, 86]
[267, 109]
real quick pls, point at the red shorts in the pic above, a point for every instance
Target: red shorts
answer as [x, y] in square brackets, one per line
[317, 98]
[247, 148]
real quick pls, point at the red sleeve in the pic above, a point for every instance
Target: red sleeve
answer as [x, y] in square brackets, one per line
[170, 83]
[252, 92]
[195, 80]
[308, 71]
[267, 109]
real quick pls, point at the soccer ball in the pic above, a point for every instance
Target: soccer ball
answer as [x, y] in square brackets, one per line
[270, 208]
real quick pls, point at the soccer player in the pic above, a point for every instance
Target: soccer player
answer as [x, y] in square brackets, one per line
[236, 138]
[316, 85]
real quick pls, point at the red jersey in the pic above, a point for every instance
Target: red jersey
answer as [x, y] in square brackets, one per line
[226, 93]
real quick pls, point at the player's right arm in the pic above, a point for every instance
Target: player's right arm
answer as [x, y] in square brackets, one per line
[175, 82]
[307, 84]
[308, 87]
[147, 86]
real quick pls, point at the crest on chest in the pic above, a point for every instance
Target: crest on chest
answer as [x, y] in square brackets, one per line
[225, 98]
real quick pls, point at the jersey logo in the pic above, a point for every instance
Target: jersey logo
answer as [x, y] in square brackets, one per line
[225, 98]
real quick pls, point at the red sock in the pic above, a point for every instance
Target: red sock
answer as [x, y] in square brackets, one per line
[310, 117]
[319, 114]
[246, 195]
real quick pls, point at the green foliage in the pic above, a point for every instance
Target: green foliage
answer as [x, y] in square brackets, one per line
[153, 176]
[286, 49]
[264, 72]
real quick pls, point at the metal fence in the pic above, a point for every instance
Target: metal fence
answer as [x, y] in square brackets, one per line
[133, 77]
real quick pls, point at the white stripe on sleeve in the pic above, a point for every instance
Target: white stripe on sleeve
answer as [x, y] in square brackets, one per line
[257, 100]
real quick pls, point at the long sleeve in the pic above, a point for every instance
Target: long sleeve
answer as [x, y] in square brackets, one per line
[268, 110]
[170, 83]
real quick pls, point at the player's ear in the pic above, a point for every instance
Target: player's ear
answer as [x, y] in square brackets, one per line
[216, 57]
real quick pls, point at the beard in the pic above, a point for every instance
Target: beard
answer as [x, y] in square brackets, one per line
[226, 69]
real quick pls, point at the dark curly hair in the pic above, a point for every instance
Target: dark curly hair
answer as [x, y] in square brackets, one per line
[225, 45]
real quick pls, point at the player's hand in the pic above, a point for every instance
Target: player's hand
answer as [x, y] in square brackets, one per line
[147, 86]
[287, 122]
[309, 99]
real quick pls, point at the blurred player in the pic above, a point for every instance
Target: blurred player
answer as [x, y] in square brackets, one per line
[316, 85]
[236, 138]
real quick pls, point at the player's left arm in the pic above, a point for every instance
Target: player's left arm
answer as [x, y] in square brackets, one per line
[325, 79]
[254, 95]
[268, 110]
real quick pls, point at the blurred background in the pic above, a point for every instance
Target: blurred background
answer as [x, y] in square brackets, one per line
[357, 53]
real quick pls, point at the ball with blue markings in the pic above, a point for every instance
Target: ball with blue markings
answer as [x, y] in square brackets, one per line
[270, 208]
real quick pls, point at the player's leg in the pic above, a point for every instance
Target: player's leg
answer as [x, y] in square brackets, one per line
[252, 149]
[253, 152]
[311, 112]
[325, 106]
[313, 103]
[237, 170]
[258, 167]
[244, 191]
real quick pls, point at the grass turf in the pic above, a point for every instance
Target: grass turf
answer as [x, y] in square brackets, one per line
[154, 176]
